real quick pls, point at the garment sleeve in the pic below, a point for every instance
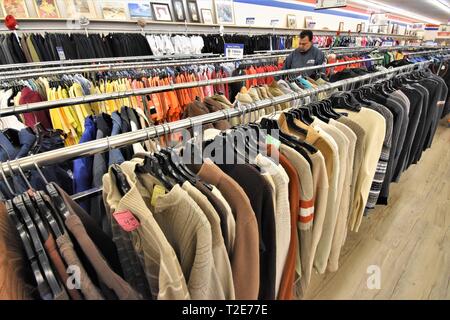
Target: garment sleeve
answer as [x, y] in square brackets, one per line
[321, 59]
[288, 63]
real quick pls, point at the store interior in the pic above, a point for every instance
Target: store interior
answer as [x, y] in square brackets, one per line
[224, 150]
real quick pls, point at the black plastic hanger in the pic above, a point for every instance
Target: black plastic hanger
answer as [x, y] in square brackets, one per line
[41, 282]
[168, 169]
[47, 213]
[151, 166]
[38, 246]
[291, 123]
[121, 180]
[340, 101]
[179, 166]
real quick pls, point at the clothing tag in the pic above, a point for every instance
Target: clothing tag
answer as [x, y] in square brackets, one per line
[158, 191]
[126, 220]
[273, 141]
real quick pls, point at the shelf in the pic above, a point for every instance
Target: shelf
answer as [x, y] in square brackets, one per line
[100, 25]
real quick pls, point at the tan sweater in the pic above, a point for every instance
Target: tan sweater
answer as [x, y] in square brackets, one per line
[282, 214]
[321, 187]
[374, 125]
[330, 152]
[325, 243]
[187, 230]
[245, 258]
[306, 215]
[357, 162]
[221, 260]
[161, 265]
[339, 232]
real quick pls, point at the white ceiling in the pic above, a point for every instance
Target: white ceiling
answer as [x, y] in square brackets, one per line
[421, 7]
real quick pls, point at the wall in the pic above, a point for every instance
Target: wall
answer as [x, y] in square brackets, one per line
[263, 10]
[266, 10]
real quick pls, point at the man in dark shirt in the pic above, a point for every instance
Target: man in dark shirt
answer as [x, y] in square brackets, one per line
[306, 55]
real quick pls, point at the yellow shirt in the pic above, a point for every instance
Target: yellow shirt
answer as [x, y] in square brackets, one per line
[70, 118]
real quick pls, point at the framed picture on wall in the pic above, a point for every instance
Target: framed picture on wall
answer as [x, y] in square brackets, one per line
[114, 11]
[358, 27]
[46, 9]
[193, 10]
[224, 11]
[140, 10]
[161, 11]
[291, 21]
[178, 10]
[80, 8]
[207, 16]
[17, 8]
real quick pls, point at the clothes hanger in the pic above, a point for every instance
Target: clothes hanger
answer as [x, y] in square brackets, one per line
[339, 101]
[32, 209]
[23, 213]
[10, 189]
[38, 246]
[47, 213]
[41, 282]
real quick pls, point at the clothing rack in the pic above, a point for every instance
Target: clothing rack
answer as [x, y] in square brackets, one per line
[109, 143]
[114, 61]
[140, 92]
[101, 60]
[442, 50]
[25, 74]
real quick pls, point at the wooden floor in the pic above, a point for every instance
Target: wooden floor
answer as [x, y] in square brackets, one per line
[409, 239]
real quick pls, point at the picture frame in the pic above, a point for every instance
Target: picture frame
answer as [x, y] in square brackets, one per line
[114, 10]
[161, 11]
[224, 11]
[310, 23]
[140, 10]
[359, 27]
[194, 14]
[292, 21]
[341, 26]
[179, 12]
[46, 9]
[76, 9]
[17, 8]
[207, 16]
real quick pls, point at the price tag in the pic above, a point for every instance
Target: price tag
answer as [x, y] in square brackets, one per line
[126, 220]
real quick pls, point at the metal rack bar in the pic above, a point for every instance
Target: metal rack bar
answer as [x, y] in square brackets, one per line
[139, 92]
[106, 144]
[26, 74]
[101, 60]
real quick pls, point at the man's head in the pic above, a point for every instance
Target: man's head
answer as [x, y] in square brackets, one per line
[306, 37]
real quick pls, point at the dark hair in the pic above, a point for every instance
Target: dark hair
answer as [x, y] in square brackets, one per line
[307, 33]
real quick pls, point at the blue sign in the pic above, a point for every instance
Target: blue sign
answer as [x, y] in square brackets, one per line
[234, 50]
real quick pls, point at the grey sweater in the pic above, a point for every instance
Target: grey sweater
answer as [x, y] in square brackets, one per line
[297, 59]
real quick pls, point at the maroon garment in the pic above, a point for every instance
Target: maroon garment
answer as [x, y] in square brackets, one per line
[32, 118]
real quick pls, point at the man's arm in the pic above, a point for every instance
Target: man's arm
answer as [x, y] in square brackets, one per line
[288, 63]
[321, 59]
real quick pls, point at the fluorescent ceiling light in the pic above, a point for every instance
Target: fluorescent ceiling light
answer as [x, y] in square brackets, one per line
[440, 5]
[395, 10]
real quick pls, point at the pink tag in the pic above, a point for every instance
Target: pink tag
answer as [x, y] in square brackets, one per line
[127, 220]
